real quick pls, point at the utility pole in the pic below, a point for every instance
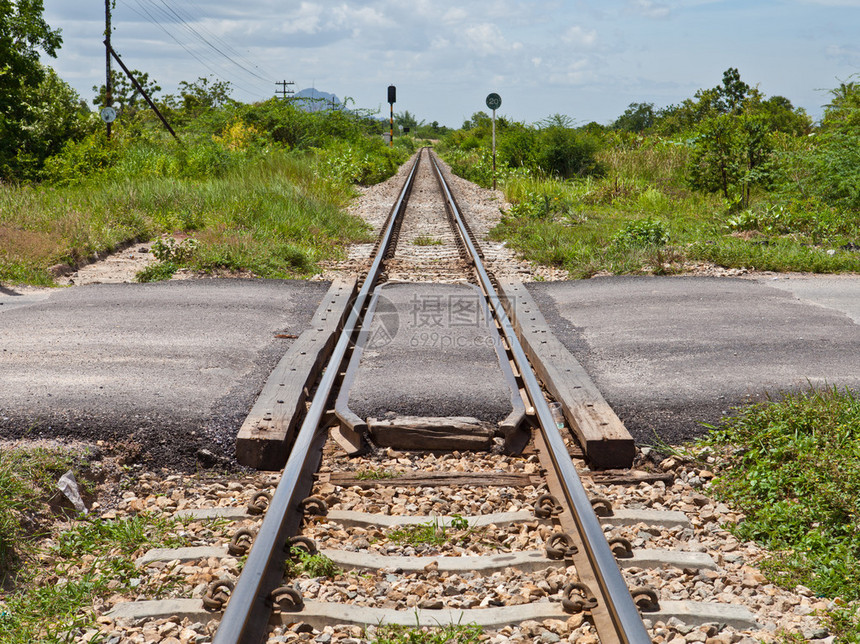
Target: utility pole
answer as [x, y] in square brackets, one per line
[284, 91]
[108, 85]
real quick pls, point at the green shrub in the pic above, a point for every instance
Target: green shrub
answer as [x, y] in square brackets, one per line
[642, 232]
[79, 160]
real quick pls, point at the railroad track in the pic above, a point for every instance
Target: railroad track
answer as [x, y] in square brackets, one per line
[427, 537]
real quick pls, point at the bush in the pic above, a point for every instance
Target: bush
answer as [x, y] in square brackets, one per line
[642, 232]
[566, 153]
[79, 160]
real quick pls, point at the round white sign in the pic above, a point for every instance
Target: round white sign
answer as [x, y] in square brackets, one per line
[108, 114]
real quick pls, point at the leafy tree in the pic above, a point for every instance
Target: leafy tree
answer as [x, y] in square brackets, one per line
[733, 91]
[638, 117]
[564, 152]
[843, 111]
[479, 119]
[125, 97]
[730, 155]
[198, 97]
[407, 120]
[782, 116]
[23, 32]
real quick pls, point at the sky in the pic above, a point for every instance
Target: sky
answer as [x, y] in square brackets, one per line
[587, 60]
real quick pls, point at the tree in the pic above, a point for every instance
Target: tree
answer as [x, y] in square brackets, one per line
[733, 91]
[637, 118]
[125, 97]
[200, 96]
[23, 32]
[407, 120]
[730, 155]
[564, 152]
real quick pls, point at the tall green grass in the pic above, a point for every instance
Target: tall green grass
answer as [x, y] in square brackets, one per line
[583, 225]
[275, 215]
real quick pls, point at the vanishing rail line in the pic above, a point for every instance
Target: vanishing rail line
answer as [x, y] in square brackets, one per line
[601, 589]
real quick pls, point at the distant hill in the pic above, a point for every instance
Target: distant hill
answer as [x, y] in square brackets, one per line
[314, 100]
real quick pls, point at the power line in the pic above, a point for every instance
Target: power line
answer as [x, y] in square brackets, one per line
[148, 15]
[206, 41]
[225, 43]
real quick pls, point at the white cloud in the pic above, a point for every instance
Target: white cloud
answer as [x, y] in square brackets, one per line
[843, 53]
[650, 9]
[485, 39]
[576, 35]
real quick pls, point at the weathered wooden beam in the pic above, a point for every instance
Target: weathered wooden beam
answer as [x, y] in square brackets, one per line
[264, 439]
[604, 438]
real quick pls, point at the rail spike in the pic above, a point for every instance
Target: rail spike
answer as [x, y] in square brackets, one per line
[298, 544]
[645, 598]
[602, 506]
[217, 594]
[314, 506]
[241, 542]
[560, 545]
[259, 503]
[547, 506]
[578, 598]
[286, 599]
[621, 547]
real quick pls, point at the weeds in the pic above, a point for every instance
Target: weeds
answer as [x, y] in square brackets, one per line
[81, 566]
[451, 634]
[373, 474]
[426, 240]
[793, 468]
[431, 533]
[312, 565]
[26, 477]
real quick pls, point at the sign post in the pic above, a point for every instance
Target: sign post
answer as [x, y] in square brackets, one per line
[494, 102]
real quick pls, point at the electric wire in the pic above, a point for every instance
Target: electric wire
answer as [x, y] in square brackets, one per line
[157, 16]
[167, 18]
[205, 40]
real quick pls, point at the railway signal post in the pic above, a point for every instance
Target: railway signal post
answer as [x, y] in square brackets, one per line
[392, 98]
[494, 102]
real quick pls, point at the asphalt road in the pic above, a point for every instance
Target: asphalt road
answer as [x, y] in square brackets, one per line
[173, 366]
[431, 353]
[669, 353]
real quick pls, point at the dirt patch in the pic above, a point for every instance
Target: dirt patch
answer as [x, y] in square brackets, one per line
[117, 268]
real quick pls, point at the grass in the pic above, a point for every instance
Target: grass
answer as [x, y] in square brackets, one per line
[275, 214]
[583, 225]
[51, 579]
[431, 532]
[792, 466]
[451, 634]
[27, 477]
[375, 474]
[427, 240]
[312, 565]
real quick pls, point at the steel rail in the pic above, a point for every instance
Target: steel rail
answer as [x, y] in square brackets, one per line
[245, 620]
[623, 611]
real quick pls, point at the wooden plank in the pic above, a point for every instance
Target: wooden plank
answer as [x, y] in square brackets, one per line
[430, 433]
[264, 439]
[437, 479]
[630, 477]
[603, 437]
